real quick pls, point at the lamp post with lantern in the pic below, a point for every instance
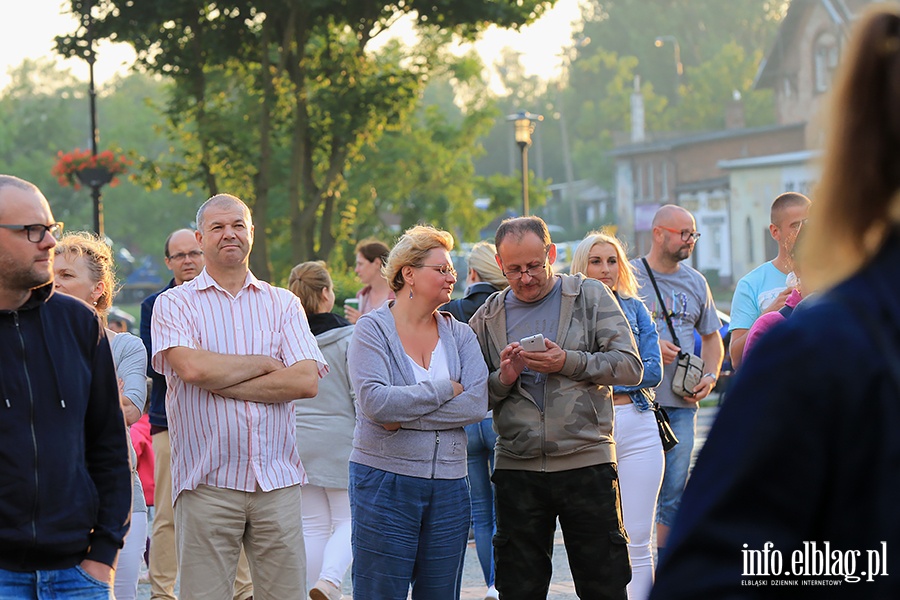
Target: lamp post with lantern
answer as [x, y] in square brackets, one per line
[523, 126]
[94, 178]
[679, 67]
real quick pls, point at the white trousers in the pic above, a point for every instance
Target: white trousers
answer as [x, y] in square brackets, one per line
[128, 564]
[326, 532]
[640, 462]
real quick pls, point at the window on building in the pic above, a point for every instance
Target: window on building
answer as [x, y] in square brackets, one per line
[825, 60]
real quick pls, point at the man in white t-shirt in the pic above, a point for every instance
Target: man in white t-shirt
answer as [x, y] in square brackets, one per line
[764, 289]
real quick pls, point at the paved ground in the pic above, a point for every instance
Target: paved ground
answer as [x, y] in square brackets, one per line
[561, 587]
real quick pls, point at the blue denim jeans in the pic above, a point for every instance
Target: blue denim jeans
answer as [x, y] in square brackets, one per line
[480, 451]
[407, 531]
[678, 463]
[64, 584]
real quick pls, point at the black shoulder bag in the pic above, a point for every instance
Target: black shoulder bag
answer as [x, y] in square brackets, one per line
[666, 433]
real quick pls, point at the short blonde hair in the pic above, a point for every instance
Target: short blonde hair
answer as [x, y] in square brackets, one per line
[307, 281]
[411, 250]
[99, 258]
[626, 286]
[483, 258]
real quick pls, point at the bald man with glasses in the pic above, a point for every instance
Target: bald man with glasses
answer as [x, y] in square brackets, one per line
[687, 300]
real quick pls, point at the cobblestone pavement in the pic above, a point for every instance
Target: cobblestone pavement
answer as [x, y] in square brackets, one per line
[561, 587]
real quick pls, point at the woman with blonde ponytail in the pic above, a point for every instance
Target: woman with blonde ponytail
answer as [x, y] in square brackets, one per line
[805, 454]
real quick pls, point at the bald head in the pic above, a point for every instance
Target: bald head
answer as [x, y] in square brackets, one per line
[183, 255]
[669, 215]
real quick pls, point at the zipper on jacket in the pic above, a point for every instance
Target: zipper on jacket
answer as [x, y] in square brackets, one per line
[437, 442]
[543, 443]
[33, 433]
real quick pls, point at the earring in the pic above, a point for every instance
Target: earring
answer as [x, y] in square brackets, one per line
[410, 293]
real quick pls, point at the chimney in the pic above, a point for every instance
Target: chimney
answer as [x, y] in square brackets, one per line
[637, 112]
[734, 112]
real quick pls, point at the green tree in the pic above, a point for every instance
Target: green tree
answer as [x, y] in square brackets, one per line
[308, 57]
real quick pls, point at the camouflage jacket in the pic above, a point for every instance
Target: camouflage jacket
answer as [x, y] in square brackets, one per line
[575, 428]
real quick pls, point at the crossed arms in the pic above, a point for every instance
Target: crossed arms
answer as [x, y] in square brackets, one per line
[253, 377]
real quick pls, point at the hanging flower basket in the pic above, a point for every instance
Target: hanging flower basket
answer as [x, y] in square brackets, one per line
[79, 168]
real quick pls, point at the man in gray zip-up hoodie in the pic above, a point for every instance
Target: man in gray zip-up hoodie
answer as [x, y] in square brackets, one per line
[553, 413]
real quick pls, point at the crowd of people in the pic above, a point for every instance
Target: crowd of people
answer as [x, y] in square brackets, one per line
[291, 443]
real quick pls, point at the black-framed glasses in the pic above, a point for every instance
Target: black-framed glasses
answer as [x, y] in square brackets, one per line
[194, 254]
[686, 234]
[37, 231]
[442, 269]
[533, 270]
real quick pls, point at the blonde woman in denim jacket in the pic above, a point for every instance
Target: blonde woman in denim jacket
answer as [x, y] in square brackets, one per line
[640, 455]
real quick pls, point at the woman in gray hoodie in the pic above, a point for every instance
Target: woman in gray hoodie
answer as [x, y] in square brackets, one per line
[324, 437]
[419, 379]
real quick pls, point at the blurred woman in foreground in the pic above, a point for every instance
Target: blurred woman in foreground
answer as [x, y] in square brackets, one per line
[805, 452]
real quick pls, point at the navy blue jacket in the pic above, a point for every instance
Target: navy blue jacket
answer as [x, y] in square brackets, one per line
[805, 449]
[157, 410]
[65, 480]
[476, 294]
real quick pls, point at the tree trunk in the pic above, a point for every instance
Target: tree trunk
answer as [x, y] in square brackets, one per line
[259, 259]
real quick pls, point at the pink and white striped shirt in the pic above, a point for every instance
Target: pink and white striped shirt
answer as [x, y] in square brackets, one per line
[219, 441]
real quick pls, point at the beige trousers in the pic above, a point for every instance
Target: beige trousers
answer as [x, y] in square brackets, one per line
[163, 557]
[212, 525]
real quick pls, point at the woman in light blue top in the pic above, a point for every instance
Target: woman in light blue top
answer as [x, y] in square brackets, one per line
[419, 379]
[638, 448]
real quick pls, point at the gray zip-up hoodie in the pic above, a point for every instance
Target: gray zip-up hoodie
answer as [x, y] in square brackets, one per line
[431, 441]
[575, 428]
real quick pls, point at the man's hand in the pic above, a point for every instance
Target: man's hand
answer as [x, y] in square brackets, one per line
[668, 350]
[457, 388]
[511, 364]
[779, 300]
[97, 570]
[550, 360]
[702, 389]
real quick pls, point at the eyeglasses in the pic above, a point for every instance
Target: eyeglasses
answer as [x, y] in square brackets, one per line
[686, 234]
[442, 269]
[533, 271]
[194, 254]
[37, 231]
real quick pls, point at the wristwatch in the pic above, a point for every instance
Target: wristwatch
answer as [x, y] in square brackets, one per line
[713, 375]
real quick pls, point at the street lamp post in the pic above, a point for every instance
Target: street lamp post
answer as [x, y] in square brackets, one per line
[523, 124]
[679, 68]
[98, 177]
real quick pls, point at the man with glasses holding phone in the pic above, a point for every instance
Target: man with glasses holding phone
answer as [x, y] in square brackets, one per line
[555, 455]
[66, 493]
[688, 302]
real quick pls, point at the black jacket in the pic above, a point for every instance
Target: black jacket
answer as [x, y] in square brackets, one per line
[804, 451]
[65, 481]
[476, 294]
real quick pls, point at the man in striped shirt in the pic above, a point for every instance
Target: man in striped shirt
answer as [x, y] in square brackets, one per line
[235, 352]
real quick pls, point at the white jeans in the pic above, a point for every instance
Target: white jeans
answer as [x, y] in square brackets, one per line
[640, 462]
[128, 565]
[326, 531]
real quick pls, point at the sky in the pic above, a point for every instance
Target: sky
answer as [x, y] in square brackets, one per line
[38, 22]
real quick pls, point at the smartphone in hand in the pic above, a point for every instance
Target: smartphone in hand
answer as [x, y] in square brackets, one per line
[533, 343]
